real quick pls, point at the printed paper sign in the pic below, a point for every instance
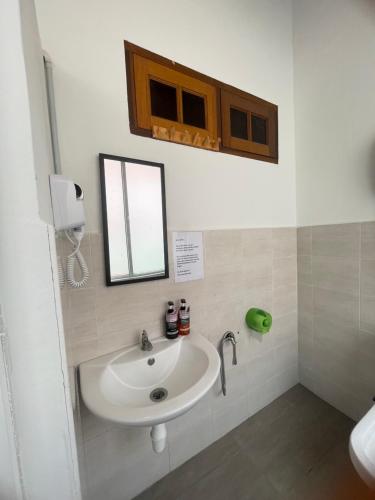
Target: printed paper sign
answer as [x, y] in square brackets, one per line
[188, 256]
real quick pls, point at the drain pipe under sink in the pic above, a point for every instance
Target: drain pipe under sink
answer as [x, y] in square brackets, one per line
[158, 437]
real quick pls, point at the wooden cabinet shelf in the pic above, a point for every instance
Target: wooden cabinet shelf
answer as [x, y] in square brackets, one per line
[168, 101]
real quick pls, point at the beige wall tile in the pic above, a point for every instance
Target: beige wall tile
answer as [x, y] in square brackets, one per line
[116, 463]
[223, 251]
[339, 397]
[342, 240]
[368, 230]
[84, 350]
[251, 234]
[365, 375]
[285, 329]
[82, 314]
[339, 307]
[229, 317]
[261, 369]
[286, 356]
[334, 337]
[256, 243]
[333, 231]
[305, 299]
[284, 300]
[284, 271]
[97, 260]
[284, 242]
[306, 376]
[306, 352]
[257, 269]
[232, 415]
[260, 345]
[366, 343]
[304, 241]
[368, 240]
[367, 320]
[288, 378]
[305, 325]
[335, 366]
[336, 273]
[304, 269]
[190, 433]
[368, 277]
[264, 394]
[331, 345]
[284, 233]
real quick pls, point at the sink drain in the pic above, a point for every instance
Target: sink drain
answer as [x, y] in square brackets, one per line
[158, 394]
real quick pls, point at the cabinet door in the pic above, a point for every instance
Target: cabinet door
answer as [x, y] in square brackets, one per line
[171, 99]
[248, 124]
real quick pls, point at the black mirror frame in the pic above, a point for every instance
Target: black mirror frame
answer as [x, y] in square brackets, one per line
[165, 275]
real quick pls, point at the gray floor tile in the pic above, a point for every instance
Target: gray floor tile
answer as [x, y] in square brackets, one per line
[236, 478]
[295, 448]
[185, 476]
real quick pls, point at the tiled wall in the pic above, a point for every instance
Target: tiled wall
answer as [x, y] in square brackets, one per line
[243, 268]
[336, 296]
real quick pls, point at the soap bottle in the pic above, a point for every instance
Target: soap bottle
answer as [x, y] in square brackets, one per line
[184, 318]
[171, 317]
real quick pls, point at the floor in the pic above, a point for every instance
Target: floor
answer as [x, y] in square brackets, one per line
[294, 449]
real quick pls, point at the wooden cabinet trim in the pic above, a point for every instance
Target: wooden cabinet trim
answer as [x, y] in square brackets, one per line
[231, 100]
[272, 109]
[145, 70]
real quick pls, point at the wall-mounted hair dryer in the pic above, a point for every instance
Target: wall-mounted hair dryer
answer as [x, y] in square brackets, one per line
[67, 203]
[69, 216]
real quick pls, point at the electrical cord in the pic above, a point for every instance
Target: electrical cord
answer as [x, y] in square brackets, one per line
[76, 255]
[61, 272]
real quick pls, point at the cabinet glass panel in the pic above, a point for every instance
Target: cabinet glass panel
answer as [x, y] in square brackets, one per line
[259, 129]
[163, 100]
[193, 110]
[238, 124]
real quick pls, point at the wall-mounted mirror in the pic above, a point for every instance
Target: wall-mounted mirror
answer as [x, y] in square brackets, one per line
[134, 220]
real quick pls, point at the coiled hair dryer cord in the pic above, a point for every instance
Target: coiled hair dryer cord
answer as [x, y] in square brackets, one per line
[75, 237]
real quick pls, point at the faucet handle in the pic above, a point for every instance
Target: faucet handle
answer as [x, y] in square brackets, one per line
[232, 337]
[143, 337]
[146, 345]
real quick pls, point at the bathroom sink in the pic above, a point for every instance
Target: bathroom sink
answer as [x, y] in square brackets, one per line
[148, 388]
[362, 448]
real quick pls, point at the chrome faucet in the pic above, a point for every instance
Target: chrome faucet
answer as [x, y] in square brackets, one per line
[145, 342]
[227, 337]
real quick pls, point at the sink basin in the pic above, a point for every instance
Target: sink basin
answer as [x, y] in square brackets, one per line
[148, 388]
[362, 448]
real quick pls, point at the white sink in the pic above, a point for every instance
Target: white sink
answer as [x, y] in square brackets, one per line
[362, 448]
[117, 386]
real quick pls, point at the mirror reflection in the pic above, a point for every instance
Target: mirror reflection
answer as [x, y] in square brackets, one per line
[134, 220]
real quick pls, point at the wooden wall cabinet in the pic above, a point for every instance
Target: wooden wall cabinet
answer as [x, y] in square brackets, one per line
[171, 102]
[248, 125]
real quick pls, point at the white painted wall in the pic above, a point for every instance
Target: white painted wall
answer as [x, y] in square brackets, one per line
[31, 312]
[10, 481]
[247, 44]
[38, 107]
[334, 47]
